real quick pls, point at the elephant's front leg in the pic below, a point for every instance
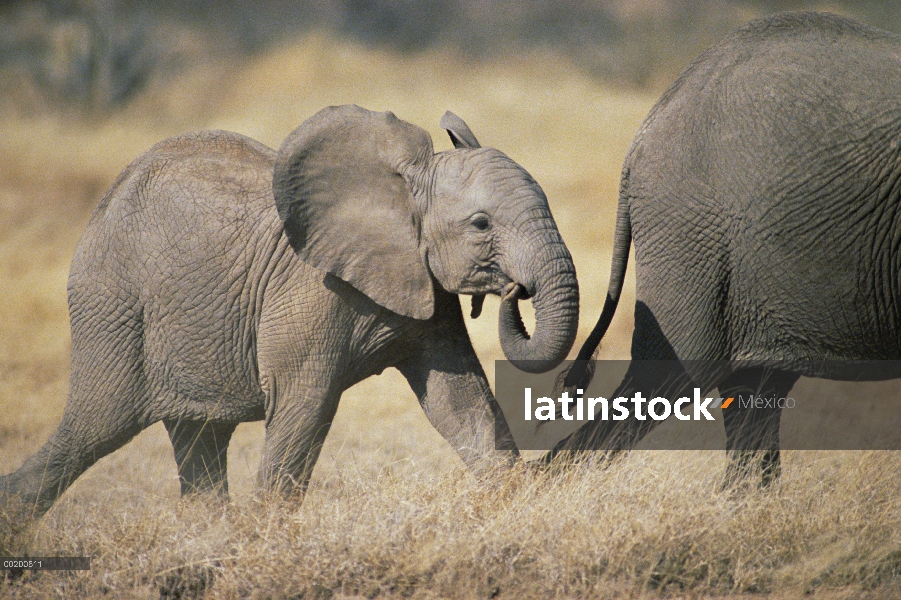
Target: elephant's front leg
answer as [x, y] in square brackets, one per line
[461, 407]
[444, 372]
[298, 418]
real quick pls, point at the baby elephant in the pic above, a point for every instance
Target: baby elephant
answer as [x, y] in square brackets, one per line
[220, 282]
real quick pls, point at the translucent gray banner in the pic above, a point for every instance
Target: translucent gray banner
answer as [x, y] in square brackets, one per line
[705, 405]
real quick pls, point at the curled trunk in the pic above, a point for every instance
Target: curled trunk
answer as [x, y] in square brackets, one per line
[555, 297]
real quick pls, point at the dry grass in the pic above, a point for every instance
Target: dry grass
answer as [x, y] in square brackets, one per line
[390, 511]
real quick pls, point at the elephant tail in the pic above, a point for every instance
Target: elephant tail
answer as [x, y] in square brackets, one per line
[579, 374]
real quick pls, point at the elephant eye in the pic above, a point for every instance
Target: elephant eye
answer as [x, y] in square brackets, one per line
[480, 221]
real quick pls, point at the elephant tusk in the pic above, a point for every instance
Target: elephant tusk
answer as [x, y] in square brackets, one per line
[477, 301]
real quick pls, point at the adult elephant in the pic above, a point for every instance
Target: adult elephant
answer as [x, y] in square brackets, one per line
[220, 282]
[763, 197]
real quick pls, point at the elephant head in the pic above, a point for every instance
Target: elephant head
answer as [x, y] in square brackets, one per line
[363, 196]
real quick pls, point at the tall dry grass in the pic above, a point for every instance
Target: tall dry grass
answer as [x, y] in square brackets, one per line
[390, 510]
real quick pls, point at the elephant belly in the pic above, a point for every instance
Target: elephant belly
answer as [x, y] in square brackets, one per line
[767, 297]
[200, 356]
[193, 384]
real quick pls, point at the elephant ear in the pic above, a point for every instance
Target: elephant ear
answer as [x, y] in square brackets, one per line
[459, 131]
[342, 189]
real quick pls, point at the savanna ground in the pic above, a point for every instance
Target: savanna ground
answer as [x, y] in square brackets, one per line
[391, 511]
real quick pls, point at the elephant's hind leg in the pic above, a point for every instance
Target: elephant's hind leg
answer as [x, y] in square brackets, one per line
[105, 408]
[752, 434]
[201, 449]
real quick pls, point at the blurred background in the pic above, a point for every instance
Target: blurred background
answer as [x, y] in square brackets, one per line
[88, 85]
[100, 54]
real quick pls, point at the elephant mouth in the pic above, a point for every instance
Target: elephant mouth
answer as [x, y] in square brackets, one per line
[514, 291]
[511, 292]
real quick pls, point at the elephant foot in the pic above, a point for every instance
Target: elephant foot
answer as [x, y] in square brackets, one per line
[15, 513]
[563, 458]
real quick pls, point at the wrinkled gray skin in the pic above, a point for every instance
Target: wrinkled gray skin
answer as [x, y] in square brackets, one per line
[198, 300]
[763, 197]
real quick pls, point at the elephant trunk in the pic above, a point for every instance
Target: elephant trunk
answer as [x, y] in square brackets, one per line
[555, 297]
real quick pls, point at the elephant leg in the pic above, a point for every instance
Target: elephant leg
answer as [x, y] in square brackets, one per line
[752, 434]
[445, 374]
[107, 396]
[295, 432]
[201, 449]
